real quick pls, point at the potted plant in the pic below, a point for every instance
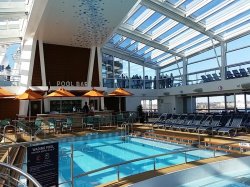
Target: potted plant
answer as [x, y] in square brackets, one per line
[140, 113]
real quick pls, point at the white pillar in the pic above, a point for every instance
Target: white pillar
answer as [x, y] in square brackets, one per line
[223, 61]
[91, 66]
[99, 57]
[26, 71]
[42, 63]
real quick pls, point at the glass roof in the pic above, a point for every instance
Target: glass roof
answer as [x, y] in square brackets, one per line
[13, 20]
[163, 31]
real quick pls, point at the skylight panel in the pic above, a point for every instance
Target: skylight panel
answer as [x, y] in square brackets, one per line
[136, 15]
[154, 53]
[163, 28]
[154, 29]
[183, 37]
[163, 57]
[237, 30]
[173, 1]
[160, 57]
[116, 38]
[149, 21]
[125, 43]
[133, 46]
[192, 44]
[189, 41]
[142, 50]
[206, 8]
[169, 32]
[168, 61]
[232, 20]
[184, 5]
[231, 11]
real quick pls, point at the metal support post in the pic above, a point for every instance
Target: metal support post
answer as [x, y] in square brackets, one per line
[118, 173]
[72, 165]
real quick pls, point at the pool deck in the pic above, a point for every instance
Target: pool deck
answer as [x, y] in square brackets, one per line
[150, 174]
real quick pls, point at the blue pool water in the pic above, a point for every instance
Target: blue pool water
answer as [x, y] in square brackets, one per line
[91, 154]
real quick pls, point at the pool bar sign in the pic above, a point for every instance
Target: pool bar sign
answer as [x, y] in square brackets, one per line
[42, 164]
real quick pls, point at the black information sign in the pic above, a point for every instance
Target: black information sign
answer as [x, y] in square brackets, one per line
[43, 164]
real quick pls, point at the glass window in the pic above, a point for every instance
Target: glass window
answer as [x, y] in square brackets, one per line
[136, 70]
[216, 103]
[201, 104]
[203, 65]
[248, 102]
[120, 67]
[208, 54]
[149, 72]
[107, 66]
[230, 102]
[241, 55]
[238, 43]
[149, 105]
[240, 101]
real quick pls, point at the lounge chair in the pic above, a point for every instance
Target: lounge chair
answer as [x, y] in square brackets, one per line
[243, 72]
[187, 122]
[236, 73]
[229, 75]
[209, 124]
[232, 126]
[216, 77]
[195, 123]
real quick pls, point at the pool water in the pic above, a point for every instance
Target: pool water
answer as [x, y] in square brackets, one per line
[97, 153]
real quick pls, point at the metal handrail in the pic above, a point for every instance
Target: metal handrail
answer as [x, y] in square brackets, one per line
[135, 160]
[29, 177]
[4, 136]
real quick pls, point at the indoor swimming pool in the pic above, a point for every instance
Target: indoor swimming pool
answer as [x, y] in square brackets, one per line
[98, 152]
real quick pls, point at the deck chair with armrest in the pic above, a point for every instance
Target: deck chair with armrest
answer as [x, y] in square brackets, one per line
[67, 125]
[196, 123]
[232, 127]
[208, 124]
[179, 121]
[236, 73]
[229, 75]
[173, 120]
[162, 120]
[187, 121]
[216, 77]
[243, 72]
[225, 121]
[210, 78]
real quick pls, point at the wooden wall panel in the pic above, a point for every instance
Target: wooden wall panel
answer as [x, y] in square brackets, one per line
[112, 103]
[9, 108]
[64, 63]
[95, 78]
[36, 76]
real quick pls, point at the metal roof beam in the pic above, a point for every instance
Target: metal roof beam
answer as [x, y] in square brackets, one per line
[126, 56]
[144, 39]
[171, 12]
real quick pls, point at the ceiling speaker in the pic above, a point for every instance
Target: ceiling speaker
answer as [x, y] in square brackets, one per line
[166, 93]
[198, 90]
[245, 86]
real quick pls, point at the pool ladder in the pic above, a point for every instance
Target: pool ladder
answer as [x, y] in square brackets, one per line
[124, 131]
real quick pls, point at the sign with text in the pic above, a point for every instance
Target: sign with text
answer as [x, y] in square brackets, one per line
[43, 164]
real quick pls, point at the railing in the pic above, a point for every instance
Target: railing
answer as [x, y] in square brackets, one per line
[136, 160]
[19, 171]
